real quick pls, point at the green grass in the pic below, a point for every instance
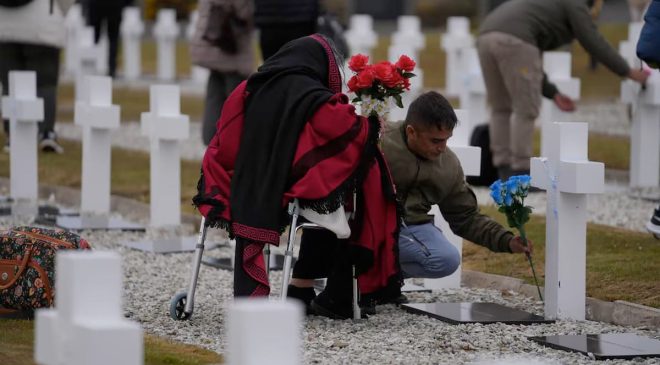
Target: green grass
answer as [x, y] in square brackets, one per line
[620, 263]
[17, 341]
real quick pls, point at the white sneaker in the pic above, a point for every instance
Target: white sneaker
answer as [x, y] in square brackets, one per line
[49, 144]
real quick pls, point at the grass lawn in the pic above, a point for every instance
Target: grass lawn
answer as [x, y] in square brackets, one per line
[17, 341]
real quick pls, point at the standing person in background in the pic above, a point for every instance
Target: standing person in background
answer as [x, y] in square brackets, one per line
[108, 12]
[31, 36]
[510, 45]
[280, 21]
[222, 43]
[649, 52]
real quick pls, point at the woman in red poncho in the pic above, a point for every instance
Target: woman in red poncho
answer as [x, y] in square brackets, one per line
[288, 132]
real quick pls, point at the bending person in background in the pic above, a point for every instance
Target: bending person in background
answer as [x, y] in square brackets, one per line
[510, 45]
[222, 43]
[31, 37]
[288, 133]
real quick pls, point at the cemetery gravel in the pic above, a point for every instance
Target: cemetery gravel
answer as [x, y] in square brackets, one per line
[392, 336]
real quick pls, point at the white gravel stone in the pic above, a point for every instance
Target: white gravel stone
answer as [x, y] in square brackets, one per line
[390, 337]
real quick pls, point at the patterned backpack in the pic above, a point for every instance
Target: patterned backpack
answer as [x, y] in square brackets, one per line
[27, 265]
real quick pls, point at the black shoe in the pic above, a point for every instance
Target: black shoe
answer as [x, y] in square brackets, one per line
[397, 300]
[324, 306]
[304, 295]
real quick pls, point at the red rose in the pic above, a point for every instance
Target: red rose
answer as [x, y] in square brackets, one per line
[405, 63]
[365, 78]
[352, 84]
[386, 73]
[358, 62]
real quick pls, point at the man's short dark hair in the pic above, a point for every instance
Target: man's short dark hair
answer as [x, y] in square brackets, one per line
[431, 110]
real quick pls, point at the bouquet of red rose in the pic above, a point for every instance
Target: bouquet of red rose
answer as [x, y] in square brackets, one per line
[381, 80]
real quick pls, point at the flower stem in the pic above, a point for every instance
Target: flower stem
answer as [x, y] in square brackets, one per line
[523, 236]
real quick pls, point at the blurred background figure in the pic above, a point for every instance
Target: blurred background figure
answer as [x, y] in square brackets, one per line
[280, 21]
[106, 14]
[637, 9]
[222, 43]
[31, 36]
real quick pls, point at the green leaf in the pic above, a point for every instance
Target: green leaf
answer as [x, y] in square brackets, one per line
[397, 99]
[408, 75]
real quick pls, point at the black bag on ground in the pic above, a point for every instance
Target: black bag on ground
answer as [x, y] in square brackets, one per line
[481, 138]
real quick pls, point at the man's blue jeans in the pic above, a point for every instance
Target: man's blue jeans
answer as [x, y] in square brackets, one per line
[424, 252]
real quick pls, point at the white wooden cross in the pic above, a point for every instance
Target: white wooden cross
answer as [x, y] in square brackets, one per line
[557, 66]
[24, 110]
[568, 176]
[409, 34]
[88, 56]
[644, 131]
[166, 31]
[132, 28]
[165, 126]
[274, 325]
[473, 92]
[416, 83]
[470, 158]
[73, 22]
[97, 116]
[645, 127]
[360, 36]
[87, 325]
[198, 74]
[453, 42]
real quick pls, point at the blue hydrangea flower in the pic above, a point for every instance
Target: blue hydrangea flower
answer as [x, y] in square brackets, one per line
[508, 198]
[496, 192]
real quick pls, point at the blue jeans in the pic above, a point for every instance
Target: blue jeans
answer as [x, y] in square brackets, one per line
[424, 252]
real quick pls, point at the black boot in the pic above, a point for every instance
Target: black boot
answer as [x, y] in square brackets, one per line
[304, 295]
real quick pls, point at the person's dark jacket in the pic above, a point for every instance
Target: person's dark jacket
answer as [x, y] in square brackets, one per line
[648, 46]
[549, 24]
[268, 12]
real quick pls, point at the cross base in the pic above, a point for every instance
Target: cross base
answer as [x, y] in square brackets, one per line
[602, 347]
[164, 245]
[484, 313]
[103, 223]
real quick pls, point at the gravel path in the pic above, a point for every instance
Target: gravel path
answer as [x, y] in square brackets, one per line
[390, 337]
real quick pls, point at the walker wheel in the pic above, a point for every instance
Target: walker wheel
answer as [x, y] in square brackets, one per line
[178, 306]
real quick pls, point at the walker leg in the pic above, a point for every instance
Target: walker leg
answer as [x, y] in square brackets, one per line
[288, 254]
[199, 250]
[357, 312]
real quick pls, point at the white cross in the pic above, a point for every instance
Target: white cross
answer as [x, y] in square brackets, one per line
[628, 47]
[73, 23]
[87, 325]
[274, 325]
[470, 158]
[165, 126]
[361, 37]
[24, 110]
[644, 131]
[473, 91]
[198, 74]
[88, 58]
[166, 31]
[557, 66]
[453, 42]
[409, 34]
[97, 116]
[132, 29]
[568, 176]
[416, 83]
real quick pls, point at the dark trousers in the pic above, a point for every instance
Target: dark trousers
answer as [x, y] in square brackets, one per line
[273, 36]
[322, 255]
[108, 11]
[45, 61]
[218, 88]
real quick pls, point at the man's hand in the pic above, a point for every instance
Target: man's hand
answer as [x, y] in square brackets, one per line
[563, 102]
[518, 246]
[639, 75]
